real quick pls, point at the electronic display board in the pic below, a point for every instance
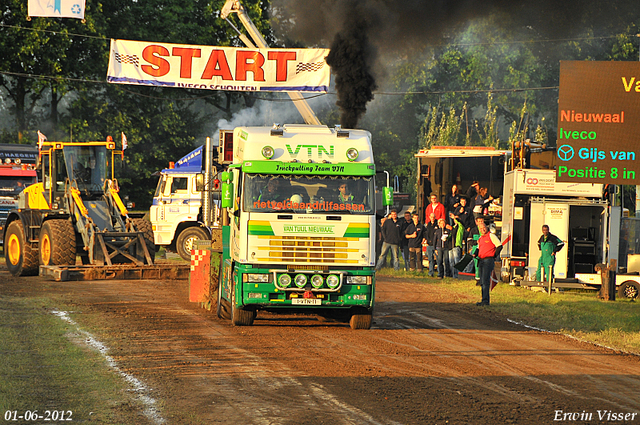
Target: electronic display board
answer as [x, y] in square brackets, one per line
[599, 122]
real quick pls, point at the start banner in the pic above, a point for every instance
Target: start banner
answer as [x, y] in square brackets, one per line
[218, 68]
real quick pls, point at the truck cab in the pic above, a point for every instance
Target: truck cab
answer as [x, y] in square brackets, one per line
[176, 212]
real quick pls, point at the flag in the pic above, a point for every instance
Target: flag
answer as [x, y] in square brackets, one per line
[57, 8]
[125, 145]
[41, 139]
[494, 279]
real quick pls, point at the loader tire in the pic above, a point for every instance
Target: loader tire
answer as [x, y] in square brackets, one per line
[186, 239]
[21, 258]
[143, 225]
[57, 243]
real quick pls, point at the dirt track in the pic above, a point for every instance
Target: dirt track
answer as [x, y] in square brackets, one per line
[427, 360]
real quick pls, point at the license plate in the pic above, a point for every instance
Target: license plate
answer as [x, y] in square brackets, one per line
[306, 301]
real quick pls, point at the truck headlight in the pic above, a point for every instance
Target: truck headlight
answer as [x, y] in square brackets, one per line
[358, 280]
[256, 277]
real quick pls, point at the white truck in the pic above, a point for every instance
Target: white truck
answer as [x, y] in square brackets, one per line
[176, 213]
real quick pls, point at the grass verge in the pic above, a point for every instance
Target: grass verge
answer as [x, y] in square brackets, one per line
[578, 313]
[46, 367]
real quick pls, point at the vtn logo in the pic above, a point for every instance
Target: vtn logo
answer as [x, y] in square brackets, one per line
[310, 148]
[565, 152]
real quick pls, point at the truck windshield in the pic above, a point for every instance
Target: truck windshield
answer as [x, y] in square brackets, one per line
[308, 194]
[11, 186]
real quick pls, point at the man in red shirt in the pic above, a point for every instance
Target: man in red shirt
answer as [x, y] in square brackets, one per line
[436, 208]
[489, 248]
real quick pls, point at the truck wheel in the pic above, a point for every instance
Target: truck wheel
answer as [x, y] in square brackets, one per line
[239, 316]
[143, 225]
[57, 243]
[186, 239]
[629, 289]
[21, 258]
[361, 319]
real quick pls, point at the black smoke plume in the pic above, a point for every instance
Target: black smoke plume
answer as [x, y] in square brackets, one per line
[363, 34]
[350, 58]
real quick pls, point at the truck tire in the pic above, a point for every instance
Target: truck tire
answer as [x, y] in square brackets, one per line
[143, 225]
[629, 289]
[239, 316]
[222, 309]
[361, 319]
[186, 239]
[21, 258]
[57, 243]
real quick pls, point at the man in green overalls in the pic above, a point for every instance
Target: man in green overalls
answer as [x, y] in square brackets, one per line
[548, 245]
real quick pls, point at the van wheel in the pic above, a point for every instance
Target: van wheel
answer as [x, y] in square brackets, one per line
[21, 258]
[57, 243]
[239, 316]
[186, 239]
[629, 289]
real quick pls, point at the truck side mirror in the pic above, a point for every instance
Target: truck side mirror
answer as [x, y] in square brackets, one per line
[387, 196]
[200, 182]
[227, 195]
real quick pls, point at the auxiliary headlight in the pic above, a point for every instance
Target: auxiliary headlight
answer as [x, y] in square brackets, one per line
[333, 281]
[300, 280]
[267, 152]
[352, 154]
[284, 280]
[317, 281]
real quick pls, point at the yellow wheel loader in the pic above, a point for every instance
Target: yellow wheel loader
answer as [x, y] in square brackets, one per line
[75, 211]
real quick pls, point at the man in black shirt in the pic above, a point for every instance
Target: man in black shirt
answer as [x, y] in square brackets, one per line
[404, 247]
[429, 232]
[414, 234]
[391, 240]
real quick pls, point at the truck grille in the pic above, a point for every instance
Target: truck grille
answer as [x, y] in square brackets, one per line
[303, 249]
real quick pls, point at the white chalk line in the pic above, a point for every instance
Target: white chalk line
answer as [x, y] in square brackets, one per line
[572, 337]
[139, 388]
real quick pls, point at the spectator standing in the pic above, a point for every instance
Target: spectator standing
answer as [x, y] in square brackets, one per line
[452, 201]
[472, 243]
[549, 245]
[489, 248]
[436, 208]
[464, 214]
[455, 253]
[472, 192]
[442, 243]
[481, 202]
[390, 240]
[414, 233]
[429, 235]
[404, 246]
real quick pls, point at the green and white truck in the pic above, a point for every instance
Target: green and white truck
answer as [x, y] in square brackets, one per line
[301, 229]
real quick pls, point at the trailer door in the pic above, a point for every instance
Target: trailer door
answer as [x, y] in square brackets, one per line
[556, 216]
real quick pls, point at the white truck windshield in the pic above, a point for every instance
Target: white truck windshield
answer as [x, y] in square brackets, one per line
[308, 194]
